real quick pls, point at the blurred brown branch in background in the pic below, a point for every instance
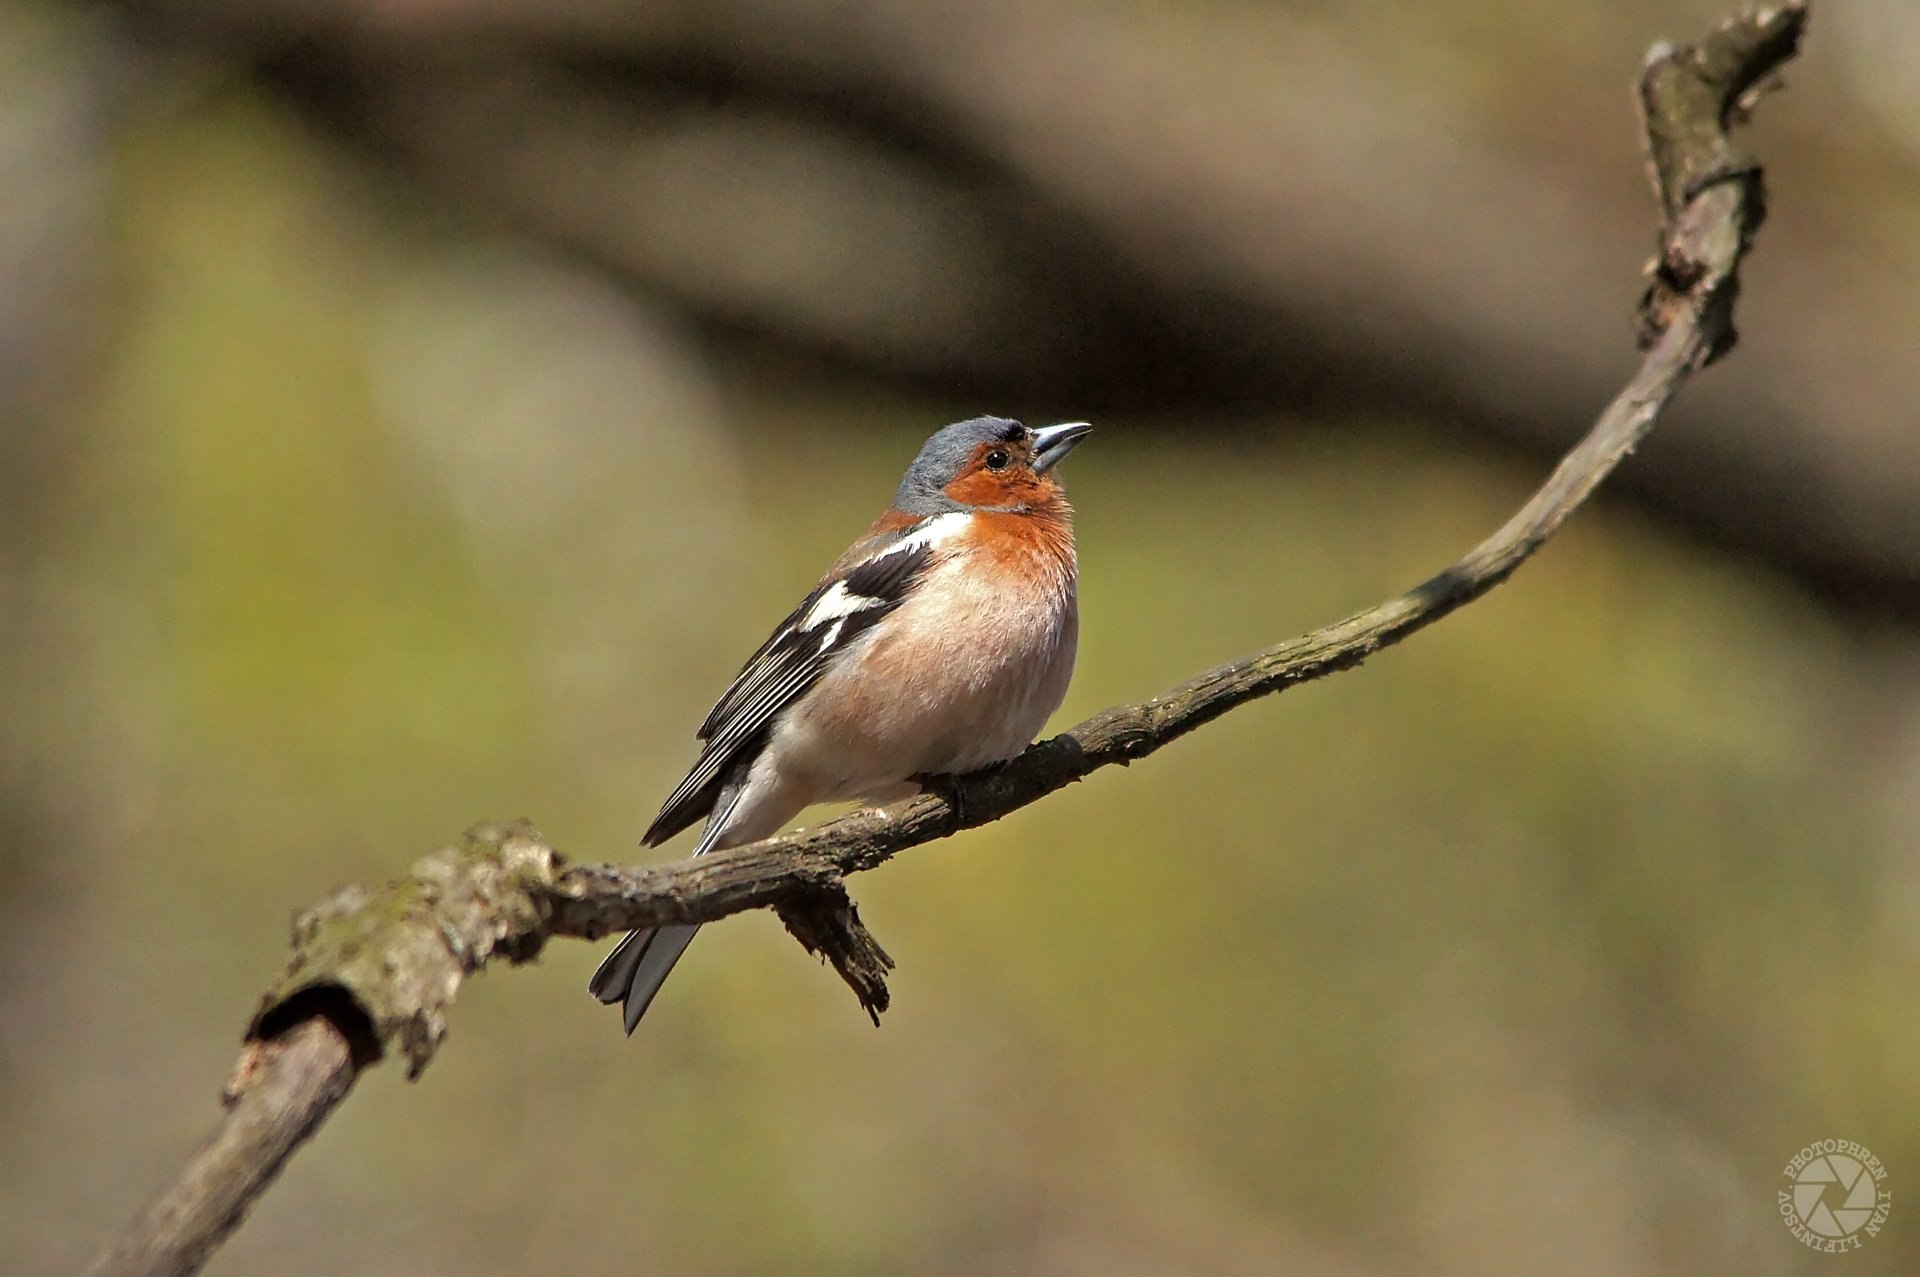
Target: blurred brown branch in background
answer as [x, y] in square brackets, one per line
[918, 191]
[374, 971]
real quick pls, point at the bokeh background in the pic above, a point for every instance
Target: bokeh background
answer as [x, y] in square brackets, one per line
[411, 413]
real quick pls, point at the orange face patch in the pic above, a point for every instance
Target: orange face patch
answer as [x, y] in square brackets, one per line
[1001, 474]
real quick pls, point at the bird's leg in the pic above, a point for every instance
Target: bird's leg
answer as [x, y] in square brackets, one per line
[947, 785]
[952, 786]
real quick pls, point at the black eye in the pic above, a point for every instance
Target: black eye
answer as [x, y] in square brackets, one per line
[998, 459]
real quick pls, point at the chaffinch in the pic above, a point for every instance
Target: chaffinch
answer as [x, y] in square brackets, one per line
[938, 644]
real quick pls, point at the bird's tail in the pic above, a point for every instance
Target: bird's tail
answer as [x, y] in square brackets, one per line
[641, 963]
[638, 966]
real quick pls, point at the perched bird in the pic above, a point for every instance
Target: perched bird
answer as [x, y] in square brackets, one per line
[938, 644]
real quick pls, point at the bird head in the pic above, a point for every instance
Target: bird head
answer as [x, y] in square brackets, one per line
[988, 463]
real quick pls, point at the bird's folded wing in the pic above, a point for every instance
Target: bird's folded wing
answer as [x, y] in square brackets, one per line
[844, 606]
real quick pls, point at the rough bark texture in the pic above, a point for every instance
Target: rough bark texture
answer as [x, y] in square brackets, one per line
[374, 970]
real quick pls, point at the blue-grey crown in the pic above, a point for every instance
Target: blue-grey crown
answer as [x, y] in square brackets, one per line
[923, 490]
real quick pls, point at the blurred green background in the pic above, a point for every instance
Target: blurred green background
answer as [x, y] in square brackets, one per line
[363, 482]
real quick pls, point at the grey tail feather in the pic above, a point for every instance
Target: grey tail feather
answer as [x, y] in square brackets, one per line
[638, 966]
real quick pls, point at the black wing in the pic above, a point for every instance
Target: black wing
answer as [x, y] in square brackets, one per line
[839, 610]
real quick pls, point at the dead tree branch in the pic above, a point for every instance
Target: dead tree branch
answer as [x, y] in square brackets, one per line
[374, 970]
[970, 172]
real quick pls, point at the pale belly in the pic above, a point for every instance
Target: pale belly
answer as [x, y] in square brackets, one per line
[981, 679]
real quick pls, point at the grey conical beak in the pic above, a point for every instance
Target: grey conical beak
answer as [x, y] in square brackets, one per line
[1052, 443]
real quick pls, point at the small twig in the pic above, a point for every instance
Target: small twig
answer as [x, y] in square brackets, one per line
[374, 971]
[827, 922]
